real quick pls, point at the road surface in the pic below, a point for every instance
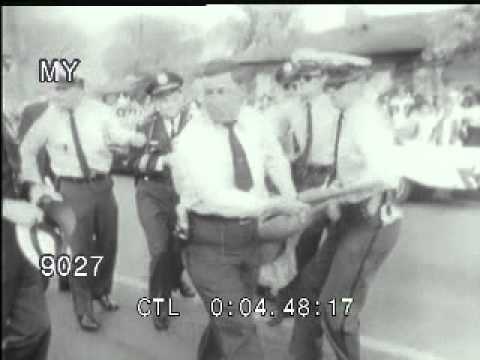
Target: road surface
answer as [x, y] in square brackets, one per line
[423, 305]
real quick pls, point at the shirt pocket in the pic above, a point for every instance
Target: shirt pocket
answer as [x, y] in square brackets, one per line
[63, 144]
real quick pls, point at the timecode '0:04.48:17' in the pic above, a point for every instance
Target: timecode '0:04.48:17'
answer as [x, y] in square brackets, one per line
[302, 307]
[64, 265]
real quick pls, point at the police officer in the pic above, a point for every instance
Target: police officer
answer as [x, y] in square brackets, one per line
[366, 227]
[155, 196]
[307, 124]
[224, 155]
[77, 132]
[25, 318]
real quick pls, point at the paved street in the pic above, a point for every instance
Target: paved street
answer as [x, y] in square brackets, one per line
[423, 304]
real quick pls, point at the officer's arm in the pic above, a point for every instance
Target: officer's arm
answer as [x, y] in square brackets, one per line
[117, 134]
[147, 163]
[35, 138]
[277, 165]
[380, 153]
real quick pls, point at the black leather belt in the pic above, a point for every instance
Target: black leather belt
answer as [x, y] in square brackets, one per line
[359, 211]
[156, 177]
[82, 180]
[221, 220]
[228, 233]
[320, 168]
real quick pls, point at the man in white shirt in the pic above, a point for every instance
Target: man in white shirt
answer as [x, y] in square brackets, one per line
[223, 156]
[307, 128]
[78, 132]
[366, 228]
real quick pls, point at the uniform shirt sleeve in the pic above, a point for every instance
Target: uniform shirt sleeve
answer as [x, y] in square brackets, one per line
[116, 133]
[35, 138]
[206, 180]
[376, 143]
[277, 165]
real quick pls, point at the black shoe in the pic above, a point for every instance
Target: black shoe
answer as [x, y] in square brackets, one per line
[186, 290]
[107, 303]
[88, 323]
[161, 322]
[63, 284]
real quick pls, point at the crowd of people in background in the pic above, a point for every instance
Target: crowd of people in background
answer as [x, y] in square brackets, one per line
[450, 120]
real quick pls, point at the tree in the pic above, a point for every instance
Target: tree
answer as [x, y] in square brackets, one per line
[28, 37]
[273, 29]
[145, 43]
[453, 32]
[226, 38]
[268, 30]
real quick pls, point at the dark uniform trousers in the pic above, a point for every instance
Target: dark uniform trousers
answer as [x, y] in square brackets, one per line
[343, 267]
[156, 201]
[96, 210]
[309, 241]
[473, 136]
[223, 262]
[25, 318]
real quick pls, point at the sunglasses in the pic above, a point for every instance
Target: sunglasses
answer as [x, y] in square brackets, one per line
[211, 92]
[294, 85]
[266, 98]
[291, 86]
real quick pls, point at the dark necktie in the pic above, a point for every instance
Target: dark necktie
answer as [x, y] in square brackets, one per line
[296, 144]
[78, 147]
[337, 142]
[300, 164]
[241, 170]
[172, 128]
[308, 142]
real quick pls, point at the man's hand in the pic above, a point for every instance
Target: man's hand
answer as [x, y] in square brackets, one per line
[138, 140]
[21, 212]
[142, 164]
[39, 190]
[168, 159]
[333, 211]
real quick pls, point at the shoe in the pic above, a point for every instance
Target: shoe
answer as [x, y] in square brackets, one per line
[63, 284]
[162, 322]
[88, 323]
[107, 303]
[186, 290]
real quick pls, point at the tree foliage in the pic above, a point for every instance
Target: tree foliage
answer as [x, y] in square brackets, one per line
[273, 29]
[143, 43]
[453, 32]
[29, 37]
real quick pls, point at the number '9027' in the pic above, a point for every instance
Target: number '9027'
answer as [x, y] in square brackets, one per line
[65, 265]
